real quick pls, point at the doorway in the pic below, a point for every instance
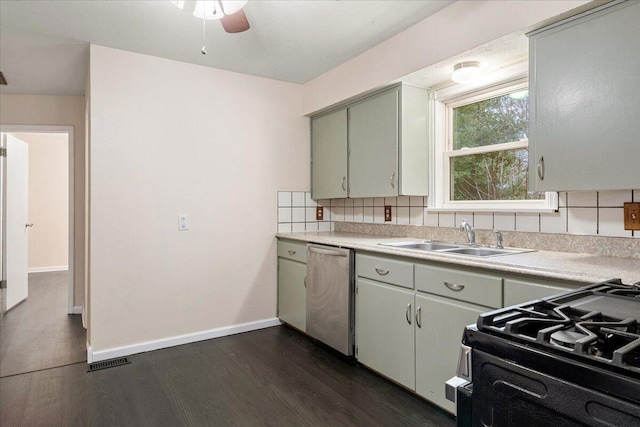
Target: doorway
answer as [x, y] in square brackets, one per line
[50, 215]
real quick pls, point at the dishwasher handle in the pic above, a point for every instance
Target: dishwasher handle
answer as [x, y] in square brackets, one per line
[331, 252]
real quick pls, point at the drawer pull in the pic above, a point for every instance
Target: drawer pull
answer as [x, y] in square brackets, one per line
[454, 286]
[419, 317]
[291, 252]
[408, 313]
[381, 271]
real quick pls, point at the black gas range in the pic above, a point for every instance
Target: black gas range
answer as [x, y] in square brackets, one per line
[568, 360]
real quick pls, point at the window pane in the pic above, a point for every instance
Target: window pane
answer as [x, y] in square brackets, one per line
[500, 175]
[492, 121]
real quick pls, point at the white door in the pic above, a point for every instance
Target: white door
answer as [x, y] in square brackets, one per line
[17, 197]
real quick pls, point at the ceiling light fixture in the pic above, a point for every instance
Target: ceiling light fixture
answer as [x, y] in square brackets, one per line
[466, 72]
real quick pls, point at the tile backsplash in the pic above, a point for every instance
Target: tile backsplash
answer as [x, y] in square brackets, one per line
[581, 213]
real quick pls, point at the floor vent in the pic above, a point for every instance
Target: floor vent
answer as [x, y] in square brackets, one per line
[108, 364]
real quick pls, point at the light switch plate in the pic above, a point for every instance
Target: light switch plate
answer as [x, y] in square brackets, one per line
[319, 213]
[183, 222]
[632, 216]
[387, 213]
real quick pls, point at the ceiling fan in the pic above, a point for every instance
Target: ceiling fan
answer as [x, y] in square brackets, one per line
[229, 12]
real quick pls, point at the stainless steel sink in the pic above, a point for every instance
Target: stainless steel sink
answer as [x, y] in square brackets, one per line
[454, 248]
[423, 246]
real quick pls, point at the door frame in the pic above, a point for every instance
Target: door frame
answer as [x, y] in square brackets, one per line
[70, 147]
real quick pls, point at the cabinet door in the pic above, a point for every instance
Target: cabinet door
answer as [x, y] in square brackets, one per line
[329, 156]
[292, 294]
[519, 291]
[373, 146]
[584, 102]
[439, 328]
[384, 331]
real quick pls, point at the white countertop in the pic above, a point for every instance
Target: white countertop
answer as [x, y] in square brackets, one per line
[567, 266]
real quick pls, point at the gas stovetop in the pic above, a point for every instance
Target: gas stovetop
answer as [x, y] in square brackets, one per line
[599, 324]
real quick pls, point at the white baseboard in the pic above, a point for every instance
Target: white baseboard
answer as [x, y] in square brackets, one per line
[49, 269]
[77, 309]
[110, 353]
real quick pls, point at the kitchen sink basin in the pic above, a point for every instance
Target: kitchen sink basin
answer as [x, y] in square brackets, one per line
[423, 246]
[454, 248]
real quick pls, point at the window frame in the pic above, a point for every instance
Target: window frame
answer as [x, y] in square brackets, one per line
[443, 152]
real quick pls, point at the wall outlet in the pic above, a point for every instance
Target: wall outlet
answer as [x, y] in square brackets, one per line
[387, 213]
[632, 216]
[319, 213]
[183, 222]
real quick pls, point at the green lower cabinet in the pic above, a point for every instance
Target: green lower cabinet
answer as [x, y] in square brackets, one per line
[292, 294]
[440, 323]
[385, 330]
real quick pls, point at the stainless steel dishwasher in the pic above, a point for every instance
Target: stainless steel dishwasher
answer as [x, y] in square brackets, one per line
[330, 296]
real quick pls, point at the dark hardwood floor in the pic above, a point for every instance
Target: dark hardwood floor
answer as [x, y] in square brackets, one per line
[38, 333]
[271, 377]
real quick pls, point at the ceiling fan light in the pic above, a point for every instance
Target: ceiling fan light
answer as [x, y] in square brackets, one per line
[232, 6]
[466, 72]
[178, 3]
[208, 9]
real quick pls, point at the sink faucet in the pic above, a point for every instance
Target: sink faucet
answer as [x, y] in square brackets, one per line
[498, 239]
[471, 233]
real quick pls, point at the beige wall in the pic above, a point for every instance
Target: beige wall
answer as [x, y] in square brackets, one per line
[453, 30]
[48, 200]
[170, 138]
[58, 111]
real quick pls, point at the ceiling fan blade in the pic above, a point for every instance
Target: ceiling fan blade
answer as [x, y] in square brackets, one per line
[235, 23]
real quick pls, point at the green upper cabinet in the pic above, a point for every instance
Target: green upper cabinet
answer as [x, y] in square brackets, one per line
[585, 102]
[374, 147]
[329, 156]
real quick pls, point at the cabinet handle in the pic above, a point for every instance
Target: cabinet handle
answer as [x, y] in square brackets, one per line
[541, 168]
[454, 286]
[381, 271]
[292, 252]
[419, 317]
[344, 182]
[393, 180]
[408, 313]
[305, 281]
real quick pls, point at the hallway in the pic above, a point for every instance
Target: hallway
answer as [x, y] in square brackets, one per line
[38, 333]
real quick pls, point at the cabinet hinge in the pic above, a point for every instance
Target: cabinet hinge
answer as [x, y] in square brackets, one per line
[3, 152]
[3, 284]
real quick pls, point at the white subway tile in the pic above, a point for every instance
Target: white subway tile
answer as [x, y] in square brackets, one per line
[297, 214]
[310, 214]
[529, 222]
[284, 214]
[554, 222]
[337, 203]
[311, 226]
[483, 220]
[416, 201]
[284, 228]
[325, 226]
[402, 215]
[403, 201]
[446, 219]
[504, 221]
[358, 214]
[348, 214]
[284, 198]
[368, 214]
[378, 201]
[367, 201]
[582, 199]
[416, 215]
[308, 201]
[430, 218]
[391, 201]
[611, 223]
[298, 226]
[348, 203]
[298, 198]
[337, 213]
[582, 220]
[562, 199]
[326, 214]
[324, 202]
[614, 199]
[459, 216]
[358, 203]
[378, 214]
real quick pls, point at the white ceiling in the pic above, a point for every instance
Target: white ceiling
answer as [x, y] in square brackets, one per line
[44, 44]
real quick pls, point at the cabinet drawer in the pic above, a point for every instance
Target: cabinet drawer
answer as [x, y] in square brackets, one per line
[292, 251]
[477, 288]
[519, 291]
[386, 270]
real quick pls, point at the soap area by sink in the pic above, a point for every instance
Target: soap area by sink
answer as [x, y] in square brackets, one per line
[459, 249]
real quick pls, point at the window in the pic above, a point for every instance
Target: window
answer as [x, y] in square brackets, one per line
[482, 151]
